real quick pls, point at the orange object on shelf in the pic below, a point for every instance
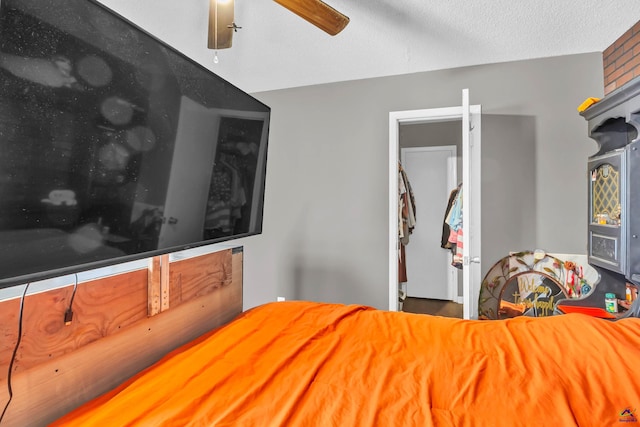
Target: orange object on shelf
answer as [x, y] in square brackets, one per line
[590, 311]
[587, 103]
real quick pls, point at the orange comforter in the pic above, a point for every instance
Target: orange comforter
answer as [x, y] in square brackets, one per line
[310, 364]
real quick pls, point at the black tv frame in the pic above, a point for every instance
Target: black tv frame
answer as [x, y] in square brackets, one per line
[236, 106]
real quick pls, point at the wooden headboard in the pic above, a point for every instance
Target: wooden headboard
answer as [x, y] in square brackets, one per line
[121, 324]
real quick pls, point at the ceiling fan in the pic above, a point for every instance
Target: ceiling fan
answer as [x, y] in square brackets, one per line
[317, 12]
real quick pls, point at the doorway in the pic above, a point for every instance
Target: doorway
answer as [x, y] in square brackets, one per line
[470, 117]
[432, 173]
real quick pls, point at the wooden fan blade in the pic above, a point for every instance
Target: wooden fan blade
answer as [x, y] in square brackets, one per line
[318, 13]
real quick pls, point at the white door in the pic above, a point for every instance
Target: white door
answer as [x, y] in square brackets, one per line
[471, 192]
[431, 173]
[471, 147]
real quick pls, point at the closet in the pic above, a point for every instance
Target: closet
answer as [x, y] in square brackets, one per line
[429, 153]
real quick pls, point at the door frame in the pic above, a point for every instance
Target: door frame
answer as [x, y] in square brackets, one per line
[451, 182]
[396, 118]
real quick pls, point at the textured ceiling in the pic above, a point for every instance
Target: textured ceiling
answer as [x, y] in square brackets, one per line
[276, 49]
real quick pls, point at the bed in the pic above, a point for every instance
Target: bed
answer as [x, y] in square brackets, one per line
[319, 364]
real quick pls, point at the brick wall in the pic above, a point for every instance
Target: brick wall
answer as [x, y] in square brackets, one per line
[621, 60]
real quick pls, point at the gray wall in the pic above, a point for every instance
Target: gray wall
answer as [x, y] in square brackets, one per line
[325, 229]
[509, 203]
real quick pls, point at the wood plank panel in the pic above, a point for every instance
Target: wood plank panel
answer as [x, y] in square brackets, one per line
[60, 367]
[100, 308]
[9, 315]
[52, 389]
[194, 277]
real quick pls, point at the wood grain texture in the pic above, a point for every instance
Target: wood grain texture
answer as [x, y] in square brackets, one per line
[100, 308]
[153, 286]
[158, 285]
[198, 276]
[111, 337]
[51, 389]
[164, 282]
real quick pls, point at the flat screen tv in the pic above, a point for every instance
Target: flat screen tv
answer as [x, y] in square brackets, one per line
[114, 146]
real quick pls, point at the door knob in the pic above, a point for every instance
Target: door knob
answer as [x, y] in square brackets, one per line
[468, 260]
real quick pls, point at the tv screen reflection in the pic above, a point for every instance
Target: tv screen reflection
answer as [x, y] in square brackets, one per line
[114, 145]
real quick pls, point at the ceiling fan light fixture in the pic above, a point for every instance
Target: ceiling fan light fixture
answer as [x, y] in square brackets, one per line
[318, 13]
[221, 25]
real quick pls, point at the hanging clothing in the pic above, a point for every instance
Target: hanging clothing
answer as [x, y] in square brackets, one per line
[446, 229]
[227, 195]
[406, 219]
[453, 223]
[454, 218]
[406, 206]
[402, 265]
[457, 242]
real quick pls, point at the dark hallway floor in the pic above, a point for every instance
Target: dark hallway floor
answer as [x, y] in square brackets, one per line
[432, 306]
